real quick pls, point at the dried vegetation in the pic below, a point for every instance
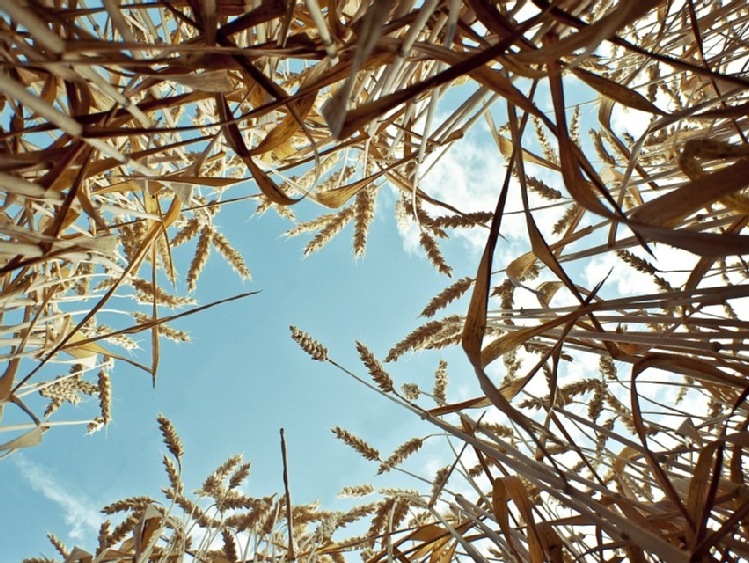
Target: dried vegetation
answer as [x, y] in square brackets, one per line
[130, 125]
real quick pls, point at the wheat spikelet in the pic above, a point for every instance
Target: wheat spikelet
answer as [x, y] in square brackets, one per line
[439, 393]
[326, 164]
[317, 223]
[364, 449]
[212, 487]
[364, 207]
[379, 520]
[82, 282]
[546, 148]
[309, 344]
[642, 265]
[358, 512]
[151, 292]
[567, 393]
[447, 296]
[463, 220]
[420, 337]
[356, 490]
[566, 219]
[542, 189]
[399, 513]
[434, 254]
[202, 250]
[105, 396]
[438, 483]
[379, 375]
[203, 519]
[103, 541]
[239, 476]
[625, 416]
[271, 518]
[639, 264]
[94, 425]
[232, 500]
[411, 391]
[58, 544]
[124, 528]
[330, 230]
[172, 440]
[607, 368]
[233, 257]
[595, 405]
[223, 470]
[163, 329]
[229, 548]
[131, 503]
[603, 154]
[575, 125]
[188, 232]
[400, 454]
[131, 236]
[173, 473]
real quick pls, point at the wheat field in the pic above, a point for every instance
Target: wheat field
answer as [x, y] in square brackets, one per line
[127, 126]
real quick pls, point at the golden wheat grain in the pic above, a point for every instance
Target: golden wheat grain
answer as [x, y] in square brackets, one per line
[239, 476]
[356, 490]
[380, 519]
[356, 443]
[233, 257]
[173, 473]
[463, 220]
[569, 214]
[400, 454]
[546, 147]
[83, 272]
[58, 544]
[379, 375]
[104, 385]
[420, 337]
[410, 391]
[603, 154]
[163, 329]
[128, 504]
[542, 189]
[607, 368]
[172, 440]
[447, 296]
[149, 292]
[212, 487]
[330, 230]
[439, 391]
[131, 235]
[575, 125]
[309, 344]
[229, 548]
[103, 542]
[123, 528]
[438, 483]
[313, 224]
[202, 251]
[364, 207]
[433, 252]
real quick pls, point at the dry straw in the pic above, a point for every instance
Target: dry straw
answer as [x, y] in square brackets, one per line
[125, 139]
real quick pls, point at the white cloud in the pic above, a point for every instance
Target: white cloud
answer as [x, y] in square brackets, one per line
[80, 513]
[468, 177]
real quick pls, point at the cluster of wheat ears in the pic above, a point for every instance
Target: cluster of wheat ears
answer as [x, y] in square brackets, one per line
[127, 126]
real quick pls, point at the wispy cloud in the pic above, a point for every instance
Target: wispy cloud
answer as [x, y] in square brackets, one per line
[80, 513]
